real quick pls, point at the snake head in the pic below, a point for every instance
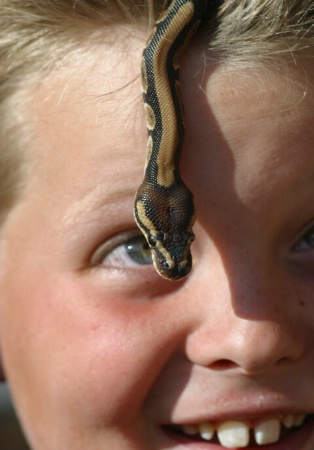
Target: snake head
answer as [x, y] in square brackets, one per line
[171, 253]
[166, 216]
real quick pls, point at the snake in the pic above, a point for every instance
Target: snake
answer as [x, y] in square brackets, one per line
[164, 206]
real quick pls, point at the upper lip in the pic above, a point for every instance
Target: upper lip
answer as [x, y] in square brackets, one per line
[251, 421]
[206, 400]
[245, 414]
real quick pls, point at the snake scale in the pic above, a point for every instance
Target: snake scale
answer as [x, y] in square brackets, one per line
[164, 207]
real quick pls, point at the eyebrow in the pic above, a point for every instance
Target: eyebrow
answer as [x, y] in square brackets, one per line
[301, 182]
[96, 201]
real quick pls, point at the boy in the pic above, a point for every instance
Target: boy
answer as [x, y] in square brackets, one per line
[100, 352]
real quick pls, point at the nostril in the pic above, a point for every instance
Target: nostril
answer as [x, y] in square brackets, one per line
[223, 364]
[284, 361]
[228, 364]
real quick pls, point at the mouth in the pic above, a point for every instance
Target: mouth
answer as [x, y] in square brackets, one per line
[242, 434]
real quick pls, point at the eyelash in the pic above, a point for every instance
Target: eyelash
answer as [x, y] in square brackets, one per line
[127, 250]
[306, 241]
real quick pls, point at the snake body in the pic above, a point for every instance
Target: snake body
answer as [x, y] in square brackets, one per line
[164, 207]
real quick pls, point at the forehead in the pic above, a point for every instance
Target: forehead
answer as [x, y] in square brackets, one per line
[255, 117]
[238, 91]
[79, 103]
[93, 106]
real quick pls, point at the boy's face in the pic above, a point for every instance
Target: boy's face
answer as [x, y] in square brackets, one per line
[102, 353]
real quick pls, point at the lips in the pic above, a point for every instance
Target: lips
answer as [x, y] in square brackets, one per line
[243, 434]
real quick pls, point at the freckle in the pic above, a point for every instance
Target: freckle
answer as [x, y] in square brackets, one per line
[301, 303]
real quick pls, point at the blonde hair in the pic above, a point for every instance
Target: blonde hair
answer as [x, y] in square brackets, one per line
[264, 29]
[34, 35]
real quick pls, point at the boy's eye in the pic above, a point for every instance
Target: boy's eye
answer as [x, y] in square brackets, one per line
[138, 250]
[123, 252]
[306, 242]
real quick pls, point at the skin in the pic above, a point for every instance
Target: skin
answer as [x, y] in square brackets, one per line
[100, 351]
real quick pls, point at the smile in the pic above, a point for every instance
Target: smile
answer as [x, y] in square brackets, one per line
[240, 434]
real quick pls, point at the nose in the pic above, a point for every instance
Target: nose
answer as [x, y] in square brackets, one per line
[254, 347]
[248, 325]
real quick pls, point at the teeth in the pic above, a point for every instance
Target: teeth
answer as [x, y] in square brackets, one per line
[233, 434]
[190, 430]
[267, 432]
[207, 431]
[298, 420]
[236, 434]
[288, 421]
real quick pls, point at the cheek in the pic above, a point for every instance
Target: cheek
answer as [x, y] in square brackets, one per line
[91, 358]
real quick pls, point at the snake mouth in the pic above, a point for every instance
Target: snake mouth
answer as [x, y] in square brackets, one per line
[172, 261]
[173, 271]
[178, 272]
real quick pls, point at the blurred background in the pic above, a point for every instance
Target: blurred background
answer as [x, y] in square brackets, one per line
[11, 436]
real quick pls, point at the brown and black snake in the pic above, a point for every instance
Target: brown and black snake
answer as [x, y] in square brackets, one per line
[164, 207]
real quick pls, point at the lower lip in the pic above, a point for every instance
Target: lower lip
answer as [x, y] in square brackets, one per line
[299, 439]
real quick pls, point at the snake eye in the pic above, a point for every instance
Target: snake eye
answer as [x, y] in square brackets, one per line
[152, 241]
